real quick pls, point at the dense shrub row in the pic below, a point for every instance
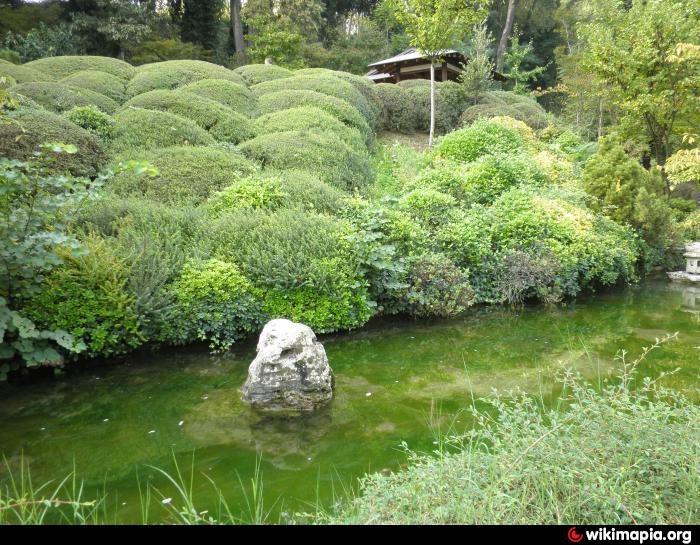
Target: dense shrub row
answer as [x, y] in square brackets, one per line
[243, 195]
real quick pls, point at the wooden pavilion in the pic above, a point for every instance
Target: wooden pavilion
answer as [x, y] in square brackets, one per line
[413, 64]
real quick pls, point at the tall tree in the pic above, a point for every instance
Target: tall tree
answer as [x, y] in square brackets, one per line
[237, 29]
[200, 22]
[642, 51]
[434, 26]
[505, 35]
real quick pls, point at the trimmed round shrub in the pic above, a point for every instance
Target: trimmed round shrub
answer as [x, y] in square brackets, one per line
[491, 175]
[308, 117]
[171, 74]
[101, 82]
[450, 102]
[59, 98]
[488, 111]
[60, 67]
[321, 83]
[306, 190]
[187, 175]
[253, 192]
[92, 120]
[300, 262]
[230, 94]
[221, 122]
[362, 84]
[412, 83]
[533, 114]
[481, 138]
[21, 73]
[29, 128]
[324, 153]
[215, 303]
[87, 297]
[278, 189]
[429, 207]
[138, 129]
[258, 73]
[284, 100]
[399, 113]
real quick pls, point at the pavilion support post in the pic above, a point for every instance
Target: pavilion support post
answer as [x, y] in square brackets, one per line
[444, 72]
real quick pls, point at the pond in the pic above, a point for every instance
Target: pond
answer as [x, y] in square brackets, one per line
[396, 381]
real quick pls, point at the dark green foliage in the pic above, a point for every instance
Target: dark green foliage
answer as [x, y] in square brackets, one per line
[399, 113]
[215, 303]
[482, 138]
[26, 129]
[59, 98]
[87, 297]
[22, 74]
[92, 120]
[138, 129]
[100, 82]
[590, 249]
[629, 194]
[334, 161]
[284, 100]
[300, 261]
[169, 49]
[450, 102]
[36, 206]
[309, 117]
[187, 175]
[61, 67]
[504, 103]
[258, 73]
[171, 74]
[200, 21]
[221, 122]
[321, 83]
[155, 240]
[230, 94]
[437, 288]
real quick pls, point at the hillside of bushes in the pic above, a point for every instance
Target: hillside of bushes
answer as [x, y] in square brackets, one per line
[228, 198]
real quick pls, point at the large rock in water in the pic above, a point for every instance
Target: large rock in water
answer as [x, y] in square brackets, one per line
[291, 370]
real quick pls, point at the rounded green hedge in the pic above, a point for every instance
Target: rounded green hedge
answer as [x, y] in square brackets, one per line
[450, 102]
[59, 98]
[309, 117]
[221, 122]
[171, 74]
[28, 128]
[60, 67]
[139, 129]
[321, 83]
[362, 84]
[284, 100]
[258, 73]
[334, 161]
[399, 113]
[100, 82]
[481, 138]
[504, 103]
[21, 73]
[187, 175]
[230, 94]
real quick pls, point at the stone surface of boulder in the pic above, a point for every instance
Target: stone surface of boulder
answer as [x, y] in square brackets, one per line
[290, 371]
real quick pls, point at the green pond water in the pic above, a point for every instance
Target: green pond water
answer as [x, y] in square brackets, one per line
[396, 381]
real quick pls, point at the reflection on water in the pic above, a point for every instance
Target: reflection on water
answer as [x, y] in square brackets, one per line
[396, 380]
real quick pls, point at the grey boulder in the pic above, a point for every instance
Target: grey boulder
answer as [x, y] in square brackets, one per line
[290, 371]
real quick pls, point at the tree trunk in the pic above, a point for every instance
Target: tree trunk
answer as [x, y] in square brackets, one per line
[505, 35]
[432, 103]
[237, 29]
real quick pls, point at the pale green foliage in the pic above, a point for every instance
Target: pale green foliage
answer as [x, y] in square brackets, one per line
[515, 57]
[477, 73]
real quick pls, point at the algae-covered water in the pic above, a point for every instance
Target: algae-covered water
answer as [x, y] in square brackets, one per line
[397, 381]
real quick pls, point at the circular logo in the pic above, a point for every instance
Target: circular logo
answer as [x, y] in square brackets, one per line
[573, 535]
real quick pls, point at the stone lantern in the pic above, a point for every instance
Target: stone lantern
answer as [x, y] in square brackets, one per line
[692, 266]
